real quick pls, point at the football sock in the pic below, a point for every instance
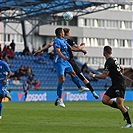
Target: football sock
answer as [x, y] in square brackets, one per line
[59, 90]
[0, 108]
[114, 105]
[90, 87]
[126, 116]
[76, 81]
[80, 76]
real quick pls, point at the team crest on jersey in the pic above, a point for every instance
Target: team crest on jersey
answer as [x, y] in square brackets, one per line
[117, 92]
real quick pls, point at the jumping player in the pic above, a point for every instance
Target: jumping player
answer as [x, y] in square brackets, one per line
[73, 63]
[61, 64]
[71, 60]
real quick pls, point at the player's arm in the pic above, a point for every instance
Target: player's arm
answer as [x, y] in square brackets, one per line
[58, 52]
[100, 76]
[8, 75]
[77, 48]
[81, 46]
[122, 69]
[47, 46]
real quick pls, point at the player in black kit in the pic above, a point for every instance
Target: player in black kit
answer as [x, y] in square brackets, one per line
[117, 90]
[73, 63]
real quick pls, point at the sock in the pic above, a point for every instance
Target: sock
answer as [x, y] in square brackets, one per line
[80, 76]
[126, 116]
[114, 105]
[0, 108]
[89, 86]
[76, 81]
[59, 90]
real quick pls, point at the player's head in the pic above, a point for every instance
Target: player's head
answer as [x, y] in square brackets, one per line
[107, 51]
[59, 32]
[66, 31]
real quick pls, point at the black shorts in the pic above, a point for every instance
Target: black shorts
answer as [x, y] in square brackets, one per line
[75, 66]
[116, 91]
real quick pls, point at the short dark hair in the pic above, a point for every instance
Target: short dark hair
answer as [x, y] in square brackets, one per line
[58, 31]
[108, 49]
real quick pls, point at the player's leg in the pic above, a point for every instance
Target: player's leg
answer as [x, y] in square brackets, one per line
[120, 92]
[107, 101]
[59, 100]
[76, 81]
[1, 96]
[120, 104]
[25, 95]
[82, 77]
[88, 85]
[109, 94]
[7, 94]
[73, 75]
[60, 68]
[61, 80]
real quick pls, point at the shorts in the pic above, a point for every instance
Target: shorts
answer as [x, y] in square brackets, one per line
[116, 91]
[75, 66]
[62, 67]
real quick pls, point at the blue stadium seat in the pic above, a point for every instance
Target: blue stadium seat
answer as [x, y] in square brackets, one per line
[44, 72]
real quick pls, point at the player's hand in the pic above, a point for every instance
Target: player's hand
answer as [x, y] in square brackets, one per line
[84, 51]
[82, 44]
[4, 81]
[65, 58]
[91, 74]
[122, 69]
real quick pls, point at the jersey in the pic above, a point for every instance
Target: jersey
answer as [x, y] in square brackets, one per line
[71, 43]
[62, 44]
[71, 60]
[113, 67]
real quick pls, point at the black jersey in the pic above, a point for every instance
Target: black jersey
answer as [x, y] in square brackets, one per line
[113, 67]
[71, 43]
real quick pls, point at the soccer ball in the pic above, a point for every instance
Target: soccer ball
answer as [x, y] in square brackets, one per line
[68, 16]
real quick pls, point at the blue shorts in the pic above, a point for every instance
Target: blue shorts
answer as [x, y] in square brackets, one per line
[62, 67]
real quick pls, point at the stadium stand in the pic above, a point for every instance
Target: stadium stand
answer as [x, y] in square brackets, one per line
[45, 73]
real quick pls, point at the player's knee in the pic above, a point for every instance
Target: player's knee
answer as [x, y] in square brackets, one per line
[61, 79]
[73, 74]
[104, 101]
[120, 106]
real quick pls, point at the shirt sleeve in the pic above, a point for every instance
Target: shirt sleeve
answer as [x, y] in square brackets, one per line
[57, 44]
[70, 42]
[6, 67]
[106, 67]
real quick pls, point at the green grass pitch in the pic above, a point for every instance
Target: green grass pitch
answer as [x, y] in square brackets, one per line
[77, 117]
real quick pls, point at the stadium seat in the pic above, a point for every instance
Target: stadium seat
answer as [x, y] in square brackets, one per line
[45, 72]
